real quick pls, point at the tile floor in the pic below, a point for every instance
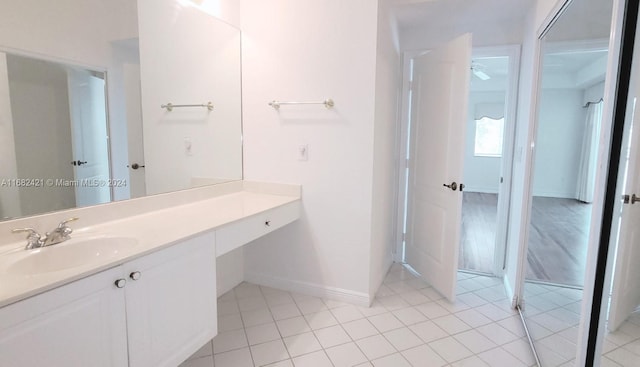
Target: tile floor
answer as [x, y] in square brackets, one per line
[553, 317]
[408, 325]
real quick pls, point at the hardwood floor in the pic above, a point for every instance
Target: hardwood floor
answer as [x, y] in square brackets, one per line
[558, 237]
[477, 240]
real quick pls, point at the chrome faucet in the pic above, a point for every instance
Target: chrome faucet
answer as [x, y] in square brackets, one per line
[35, 240]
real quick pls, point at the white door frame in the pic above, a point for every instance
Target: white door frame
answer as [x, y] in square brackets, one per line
[513, 52]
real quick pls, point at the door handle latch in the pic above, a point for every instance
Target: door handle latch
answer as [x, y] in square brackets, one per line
[453, 186]
[633, 199]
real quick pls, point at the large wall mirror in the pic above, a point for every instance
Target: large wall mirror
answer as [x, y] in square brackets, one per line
[82, 85]
[574, 55]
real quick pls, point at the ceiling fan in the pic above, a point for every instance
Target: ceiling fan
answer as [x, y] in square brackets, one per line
[478, 71]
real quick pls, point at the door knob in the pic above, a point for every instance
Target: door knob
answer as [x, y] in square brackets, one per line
[136, 165]
[78, 163]
[453, 186]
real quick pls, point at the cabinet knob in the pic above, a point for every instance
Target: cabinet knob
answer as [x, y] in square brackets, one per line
[267, 223]
[120, 283]
[135, 275]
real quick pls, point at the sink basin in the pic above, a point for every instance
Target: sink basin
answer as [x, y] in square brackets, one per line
[72, 253]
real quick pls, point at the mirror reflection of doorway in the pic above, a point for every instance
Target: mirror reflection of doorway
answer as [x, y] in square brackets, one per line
[487, 162]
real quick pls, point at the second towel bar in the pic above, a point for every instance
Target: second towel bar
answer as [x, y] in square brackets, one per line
[328, 103]
[170, 106]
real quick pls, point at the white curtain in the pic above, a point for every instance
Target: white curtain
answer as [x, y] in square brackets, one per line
[589, 155]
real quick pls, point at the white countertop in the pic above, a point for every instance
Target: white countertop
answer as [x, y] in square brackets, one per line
[153, 230]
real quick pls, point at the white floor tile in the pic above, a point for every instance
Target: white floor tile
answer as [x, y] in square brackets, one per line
[252, 303]
[415, 298]
[198, 362]
[256, 317]
[229, 322]
[285, 363]
[234, 358]
[262, 333]
[285, 311]
[346, 313]
[229, 340]
[311, 306]
[269, 352]
[332, 336]
[298, 345]
[497, 333]
[499, 357]
[385, 322]
[393, 302]
[423, 355]
[475, 341]
[228, 308]
[450, 349]
[432, 310]
[451, 324]
[346, 355]
[428, 331]
[321, 320]
[316, 359]
[293, 326]
[624, 357]
[376, 308]
[375, 347]
[473, 318]
[278, 298]
[470, 362]
[359, 329]
[522, 350]
[409, 316]
[403, 338]
[205, 350]
[393, 360]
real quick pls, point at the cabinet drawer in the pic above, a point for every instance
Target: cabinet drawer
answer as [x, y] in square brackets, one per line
[236, 234]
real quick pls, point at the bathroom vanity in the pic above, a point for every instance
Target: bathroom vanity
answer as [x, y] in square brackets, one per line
[138, 290]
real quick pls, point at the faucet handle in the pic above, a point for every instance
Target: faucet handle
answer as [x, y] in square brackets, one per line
[64, 222]
[33, 238]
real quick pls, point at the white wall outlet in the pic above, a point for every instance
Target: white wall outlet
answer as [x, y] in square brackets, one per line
[188, 146]
[303, 152]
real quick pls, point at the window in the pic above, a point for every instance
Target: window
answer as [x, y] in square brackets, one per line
[489, 134]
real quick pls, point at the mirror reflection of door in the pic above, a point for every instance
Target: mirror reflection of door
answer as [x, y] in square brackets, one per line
[89, 137]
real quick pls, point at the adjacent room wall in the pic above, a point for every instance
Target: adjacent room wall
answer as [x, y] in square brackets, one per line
[561, 123]
[9, 195]
[41, 129]
[307, 51]
[481, 174]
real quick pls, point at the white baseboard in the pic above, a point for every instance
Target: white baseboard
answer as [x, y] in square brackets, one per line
[509, 290]
[311, 289]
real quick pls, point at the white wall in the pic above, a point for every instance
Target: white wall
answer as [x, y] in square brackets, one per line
[385, 150]
[561, 122]
[308, 50]
[9, 195]
[481, 174]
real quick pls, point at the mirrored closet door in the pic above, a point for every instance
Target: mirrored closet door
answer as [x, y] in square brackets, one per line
[570, 103]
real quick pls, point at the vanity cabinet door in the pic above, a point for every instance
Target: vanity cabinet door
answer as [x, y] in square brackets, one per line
[171, 307]
[77, 325]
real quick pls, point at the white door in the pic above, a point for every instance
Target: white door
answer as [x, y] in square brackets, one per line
[133, 102]
[625, 295]
[438, 118]
[87, 107]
